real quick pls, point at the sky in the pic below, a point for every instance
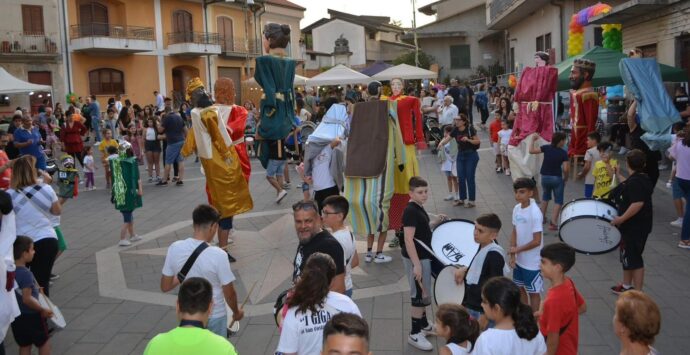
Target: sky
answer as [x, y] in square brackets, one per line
[395, 9]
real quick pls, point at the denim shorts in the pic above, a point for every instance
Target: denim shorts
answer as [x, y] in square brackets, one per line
[675, 190]
[552, 184]
[172, 153]
[219, 325]
[531, 280]
[225, 224]
[127, 216]
[275, 167]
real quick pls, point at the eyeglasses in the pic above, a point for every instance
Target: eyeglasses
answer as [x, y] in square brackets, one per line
[323, 211]
[305, 205]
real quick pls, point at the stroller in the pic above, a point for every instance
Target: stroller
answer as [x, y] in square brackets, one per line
[432, 132]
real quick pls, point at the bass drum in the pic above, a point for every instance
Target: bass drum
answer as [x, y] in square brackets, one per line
[445, 288]
[306, 129]
[586, 226]
[453, 242]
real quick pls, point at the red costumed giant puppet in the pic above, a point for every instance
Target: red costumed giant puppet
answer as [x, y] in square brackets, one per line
[584, 105]
[534, 94]
[236, 119]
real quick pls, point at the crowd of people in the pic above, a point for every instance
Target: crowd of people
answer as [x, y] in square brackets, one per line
[498, 315]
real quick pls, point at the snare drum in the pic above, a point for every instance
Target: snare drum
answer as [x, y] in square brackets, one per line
[445, 288]
[280, 308]
[586, 226]
[453, 242]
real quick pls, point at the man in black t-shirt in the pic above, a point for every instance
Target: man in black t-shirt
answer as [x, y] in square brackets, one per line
[652, 157]
[635, 214]
[314, 239]
[456, 94]
[682, 103]
[417, 260]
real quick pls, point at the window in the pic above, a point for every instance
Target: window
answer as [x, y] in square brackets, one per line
[372, 35]
[460, 57]
[32, 19]
[598, 37]
[106, 81]
[543, 43]
[182, 26]
[540, 44]
[649, 51]
[547, 42]
[312, 57]
[93, 19]
[225, 31]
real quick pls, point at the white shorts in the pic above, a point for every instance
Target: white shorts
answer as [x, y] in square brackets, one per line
[496, 147]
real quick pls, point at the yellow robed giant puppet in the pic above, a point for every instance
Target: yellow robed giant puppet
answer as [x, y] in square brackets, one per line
[228, 191]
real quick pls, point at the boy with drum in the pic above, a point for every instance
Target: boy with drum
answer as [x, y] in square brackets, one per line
[526, 243]
[488, 262]
[417, 260]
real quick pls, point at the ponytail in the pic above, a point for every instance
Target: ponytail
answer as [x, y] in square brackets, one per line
[462, 326]
[503, 292]
[525, 325]
[314, 283]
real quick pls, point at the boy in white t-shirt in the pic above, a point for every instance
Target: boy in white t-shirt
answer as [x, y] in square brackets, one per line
[503, 139]
[333, 215]
[212, 264]
[591, 158]
[526, 243]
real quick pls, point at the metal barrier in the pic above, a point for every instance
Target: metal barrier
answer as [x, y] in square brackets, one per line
[114, 31]
[27, 43]
[193, 37]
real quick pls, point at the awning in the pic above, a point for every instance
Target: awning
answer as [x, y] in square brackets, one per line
[405, 72]
[338, 75]
[11, 85]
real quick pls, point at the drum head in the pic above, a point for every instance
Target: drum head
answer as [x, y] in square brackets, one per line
[590, 235]
[453, 242]
[445, 288]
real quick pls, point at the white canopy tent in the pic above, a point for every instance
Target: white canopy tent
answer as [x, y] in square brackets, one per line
[299, 80]
[405, 72]
[338, 75]
[11, 85]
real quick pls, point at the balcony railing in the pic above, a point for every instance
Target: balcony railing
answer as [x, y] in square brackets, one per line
[193, 37]
[112, 31]
[231, 46]
[25, 43]
[496, 8]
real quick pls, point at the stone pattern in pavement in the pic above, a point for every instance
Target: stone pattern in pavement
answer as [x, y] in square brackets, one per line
[105, 325]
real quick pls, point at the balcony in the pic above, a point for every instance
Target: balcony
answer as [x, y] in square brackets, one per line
[193, 43]
[22, 46]
[504, 13]
[236, 47]
[104, 38]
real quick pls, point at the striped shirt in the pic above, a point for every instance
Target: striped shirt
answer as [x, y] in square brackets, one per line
[34, 218]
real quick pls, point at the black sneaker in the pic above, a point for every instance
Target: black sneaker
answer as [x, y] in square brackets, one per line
[162, 183]
[231, 258]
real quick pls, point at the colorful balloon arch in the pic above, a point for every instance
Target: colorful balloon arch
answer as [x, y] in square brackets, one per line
[613, 37]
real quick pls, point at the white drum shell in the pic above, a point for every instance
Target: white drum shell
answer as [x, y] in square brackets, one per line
[445, 288]
[453, 242]
[586, 226]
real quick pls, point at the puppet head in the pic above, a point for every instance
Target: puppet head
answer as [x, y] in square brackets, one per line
[541, 59]
[197, 95]
[397, 86]
[224, 91]
[67, 161]
[581, 73]
[275, 36]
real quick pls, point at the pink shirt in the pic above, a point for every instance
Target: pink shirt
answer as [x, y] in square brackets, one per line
[681, 154]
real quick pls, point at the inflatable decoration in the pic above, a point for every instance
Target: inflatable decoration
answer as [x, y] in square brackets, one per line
[512, 81]
[613, 38]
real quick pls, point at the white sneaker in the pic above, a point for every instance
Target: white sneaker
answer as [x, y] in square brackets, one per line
[449, 197]
[281, 196]
[678, 223]
[369, 257]
[135, 238]
[419, 341]
[663, 166]
[381, 259]
[124, 243]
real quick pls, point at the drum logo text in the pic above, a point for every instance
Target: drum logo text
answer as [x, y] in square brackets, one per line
[452, 253]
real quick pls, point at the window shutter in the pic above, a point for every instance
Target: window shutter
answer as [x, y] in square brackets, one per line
[460, 57]
[32, 19]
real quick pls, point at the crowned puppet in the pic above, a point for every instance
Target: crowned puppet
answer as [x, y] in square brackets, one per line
[275, 73]
[534, 96]
[125, 173]
[227, 188]
[584, 105]
[375, 151]
[235, 118]
[409, 116]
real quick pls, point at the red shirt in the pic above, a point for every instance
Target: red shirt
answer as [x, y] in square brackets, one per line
[493, 130]
[560, 310]
[409, 119]
[5, 176]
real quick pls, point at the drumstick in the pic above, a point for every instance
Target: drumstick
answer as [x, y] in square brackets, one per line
[430, 251]
[244, 302]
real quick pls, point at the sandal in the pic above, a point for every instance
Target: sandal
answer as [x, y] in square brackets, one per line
[469, 204]
[458, 203]
[684, 244]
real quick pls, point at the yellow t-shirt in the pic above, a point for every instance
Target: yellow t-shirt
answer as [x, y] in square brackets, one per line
[602, 179]
[103, 147]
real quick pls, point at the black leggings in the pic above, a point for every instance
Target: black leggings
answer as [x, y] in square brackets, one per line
[42, 265]
[78, 157]
[320, 196]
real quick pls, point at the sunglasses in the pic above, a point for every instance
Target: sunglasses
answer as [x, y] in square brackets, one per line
[305, 205]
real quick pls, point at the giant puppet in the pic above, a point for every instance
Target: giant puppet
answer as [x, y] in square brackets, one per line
[235, 118]
[584, 105]
[275, 73]
[534, 95]
[227, 188]
[409, 115]
[375, 151]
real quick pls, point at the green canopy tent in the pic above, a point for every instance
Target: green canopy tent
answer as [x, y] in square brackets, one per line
[607, 72]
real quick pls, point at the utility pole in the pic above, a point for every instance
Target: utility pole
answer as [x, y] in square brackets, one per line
[414, 32]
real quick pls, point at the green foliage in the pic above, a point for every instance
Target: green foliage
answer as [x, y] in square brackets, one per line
[425, 60]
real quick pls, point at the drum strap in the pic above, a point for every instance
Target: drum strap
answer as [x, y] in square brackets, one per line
[560, 332]
[190, 261]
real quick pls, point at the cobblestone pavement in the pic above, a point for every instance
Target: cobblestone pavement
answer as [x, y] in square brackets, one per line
[111, 299]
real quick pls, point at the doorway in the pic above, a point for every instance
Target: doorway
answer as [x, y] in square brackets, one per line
[225, 31]
[37, 98]
[93, 19]
[181, 76]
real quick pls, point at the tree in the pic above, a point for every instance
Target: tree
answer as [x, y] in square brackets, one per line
[396, 23]
[425, 60]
